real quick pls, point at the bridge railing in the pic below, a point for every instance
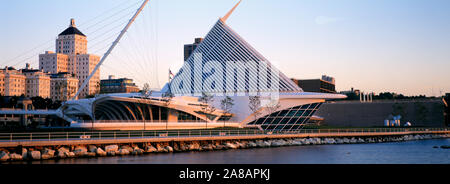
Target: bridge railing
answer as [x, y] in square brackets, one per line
[98, 135]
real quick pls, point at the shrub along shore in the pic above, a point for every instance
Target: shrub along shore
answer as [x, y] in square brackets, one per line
[82, 151]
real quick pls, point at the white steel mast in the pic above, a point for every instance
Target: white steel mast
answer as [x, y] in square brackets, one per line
[110, 49]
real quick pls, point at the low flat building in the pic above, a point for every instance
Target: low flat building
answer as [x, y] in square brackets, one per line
[122, 85]
[420, 113]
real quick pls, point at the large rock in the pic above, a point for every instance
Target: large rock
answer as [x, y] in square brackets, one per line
[15, 157]
[49, 152]
[208, 147]
[150, 149]
[296, 142]
[4, 156]
[80, 151]
[111, 148]
[124, 152]
[129, 148]
[251, 144]
[92, 148]
[262, 144]
[194, 146]
[277, 143]
[63, 152]
[346, 140]
[71, 154]
[220, 147]
[24, 154]
[231, 145]
[168, 149]
[35, 155]
[330, 141]
[160, 148]
[138, 151]
[361, 140]
[100, 152]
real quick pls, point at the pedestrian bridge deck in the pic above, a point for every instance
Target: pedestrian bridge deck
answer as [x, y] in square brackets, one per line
[129, 137]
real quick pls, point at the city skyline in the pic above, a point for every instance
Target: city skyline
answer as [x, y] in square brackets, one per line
[378, 46]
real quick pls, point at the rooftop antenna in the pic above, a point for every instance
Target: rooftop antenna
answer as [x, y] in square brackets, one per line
[110, 49]
[224, 19]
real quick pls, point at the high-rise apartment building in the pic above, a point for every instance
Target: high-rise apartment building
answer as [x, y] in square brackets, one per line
[71, 57]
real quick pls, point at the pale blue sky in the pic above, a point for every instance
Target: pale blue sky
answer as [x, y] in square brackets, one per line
[373, 45]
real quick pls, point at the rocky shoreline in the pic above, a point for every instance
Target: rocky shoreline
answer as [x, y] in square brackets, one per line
[83, 151]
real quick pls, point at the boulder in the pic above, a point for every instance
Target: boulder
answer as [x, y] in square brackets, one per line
[176, 147]
[24, 154]
[49, 152]
[220, 147]
[62, 155]
[251, 144]
[100, 152]
[150, 149]
[4, 156]
[240, 145]
[15, 157]
[168, 149]
[71, 154]
[194, 146]
[346, 140]
[92, 148]
[129, 148]
[339, 141]
[262, 144]
[329, 141]
[138, 151]
[231, 145]
[80, 152]
[124, 152]
[111, 148]
[35, 155]
[208, 147]
[361, 140]
[277, 143]
[159, 148]
[46, 156]
[80, 149]
[305, 141]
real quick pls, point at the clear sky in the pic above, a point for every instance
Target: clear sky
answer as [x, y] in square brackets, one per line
[399, 46]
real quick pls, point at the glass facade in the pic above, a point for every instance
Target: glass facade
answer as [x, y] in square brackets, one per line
[291, 119]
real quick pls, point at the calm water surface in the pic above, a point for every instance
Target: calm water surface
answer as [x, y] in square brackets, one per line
[412, 152]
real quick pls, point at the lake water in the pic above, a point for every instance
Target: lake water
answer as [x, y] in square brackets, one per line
[411, 152]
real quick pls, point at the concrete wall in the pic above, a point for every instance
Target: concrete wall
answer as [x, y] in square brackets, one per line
[428, 113]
